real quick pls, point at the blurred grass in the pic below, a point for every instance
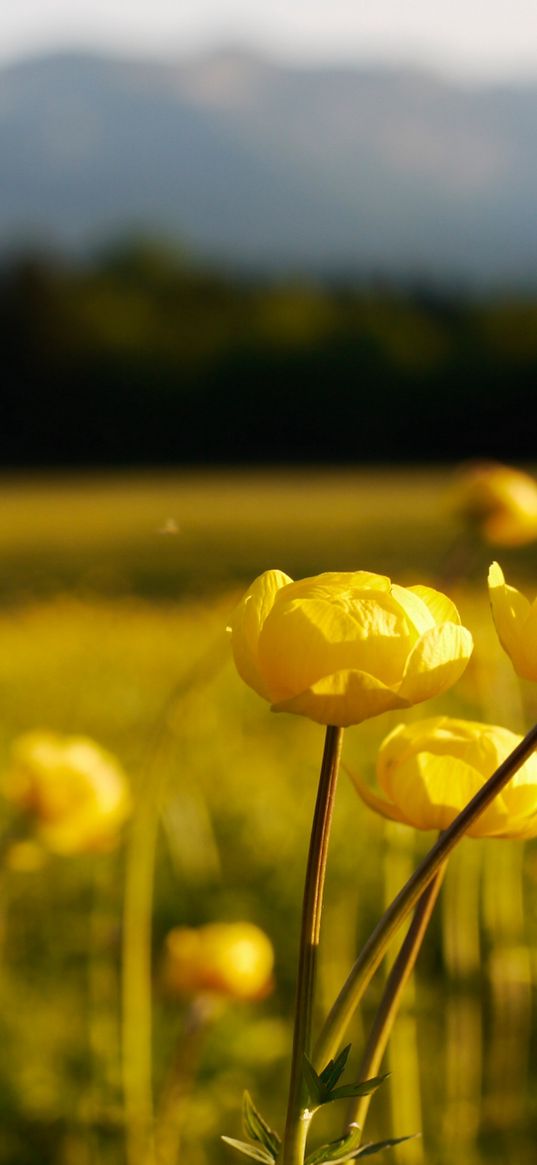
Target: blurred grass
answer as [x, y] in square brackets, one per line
[108, 534]
[112, 629]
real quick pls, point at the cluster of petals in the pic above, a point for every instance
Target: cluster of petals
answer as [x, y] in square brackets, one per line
[516, 623]
[429, 771]
[233, 959]
[500, 501]
[342, 647]
[76, 793]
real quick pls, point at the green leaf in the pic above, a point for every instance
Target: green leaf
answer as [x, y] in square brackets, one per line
[334, 1069]
[314, 1084]
[257, 1128]
[361, 1088]
[255, 1151]
[369, 1150]
[321, 1088]
[342, 1150]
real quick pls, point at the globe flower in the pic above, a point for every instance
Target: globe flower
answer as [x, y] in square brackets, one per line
[429, 771]
[516, 623]
[76, 793]
[500, 501]
[342, 647]
[233, 959]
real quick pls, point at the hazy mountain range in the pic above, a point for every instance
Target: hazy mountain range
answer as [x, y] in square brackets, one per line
[371, 169]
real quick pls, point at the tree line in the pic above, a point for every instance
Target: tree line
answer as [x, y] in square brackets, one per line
[138, 357]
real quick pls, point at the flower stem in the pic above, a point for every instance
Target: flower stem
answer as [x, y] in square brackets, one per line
[389, 1004]
[380, 938]
[180, 1078]
[297, 1122]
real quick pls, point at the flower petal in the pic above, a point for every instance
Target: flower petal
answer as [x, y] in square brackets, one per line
[405, 741]
[442, 609]
[308, 638]
[529, 635]
[436, 662]
[520, 794]
[431, 790]
[482, 746]
[523, 829]
[385, 808]
[415, 609]
[344, 698]
[333, 583]
[512, 613]
[247, 623]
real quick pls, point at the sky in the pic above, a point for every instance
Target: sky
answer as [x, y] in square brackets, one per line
[477, 38]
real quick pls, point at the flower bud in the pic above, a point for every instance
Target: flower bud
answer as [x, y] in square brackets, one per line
[501, 502]
[428, 771]
[76, 792]
[342, 647]
[233, 959]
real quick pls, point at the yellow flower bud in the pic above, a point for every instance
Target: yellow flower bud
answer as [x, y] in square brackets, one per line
[516, 623]
[76, 792]
[428, 772]
[500, 501]
[232, 959]
[342, 647]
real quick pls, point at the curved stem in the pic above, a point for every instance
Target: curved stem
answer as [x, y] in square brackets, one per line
[297, 1115]
[391, 998]
[373, 951]
[137, 918]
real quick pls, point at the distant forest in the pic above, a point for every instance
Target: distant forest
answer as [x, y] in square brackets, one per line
[140, 358]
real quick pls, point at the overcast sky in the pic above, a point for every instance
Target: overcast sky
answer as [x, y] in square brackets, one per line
[477, 37]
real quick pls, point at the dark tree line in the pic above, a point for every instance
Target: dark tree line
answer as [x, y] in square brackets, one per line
[140, 359]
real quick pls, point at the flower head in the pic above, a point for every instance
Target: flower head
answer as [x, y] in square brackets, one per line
[428, 771]
[516, 623]
[500, 501]
[233, 959]
[75, 791]
[342, 647]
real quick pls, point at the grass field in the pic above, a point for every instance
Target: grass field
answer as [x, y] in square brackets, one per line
[115, 597]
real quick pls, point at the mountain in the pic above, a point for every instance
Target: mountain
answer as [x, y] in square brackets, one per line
[367, 170]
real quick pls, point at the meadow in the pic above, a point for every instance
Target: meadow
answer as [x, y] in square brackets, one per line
[115, 594]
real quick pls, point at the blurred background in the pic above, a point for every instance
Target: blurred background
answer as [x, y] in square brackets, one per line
[266, 276]
[219, 224]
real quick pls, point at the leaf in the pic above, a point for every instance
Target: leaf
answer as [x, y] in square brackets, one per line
[369, 1150]
[321, 1088]
[254, 1151]
[343, 1149]
[361, 1088]
[314, 1084]
[257, 1128]
[334, 1069]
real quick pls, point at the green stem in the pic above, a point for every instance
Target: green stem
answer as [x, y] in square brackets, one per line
[389, 1004]
[180, 1079]
[372, 953]
[137, 916]
[298, 1117]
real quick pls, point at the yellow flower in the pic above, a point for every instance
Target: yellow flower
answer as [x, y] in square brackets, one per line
[224, 958]
[516, 623]
[76, 792]
[428, 771]
[500, 501]
[342, 647]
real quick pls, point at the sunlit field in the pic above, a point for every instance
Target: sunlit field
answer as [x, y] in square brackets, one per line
[115, 595]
